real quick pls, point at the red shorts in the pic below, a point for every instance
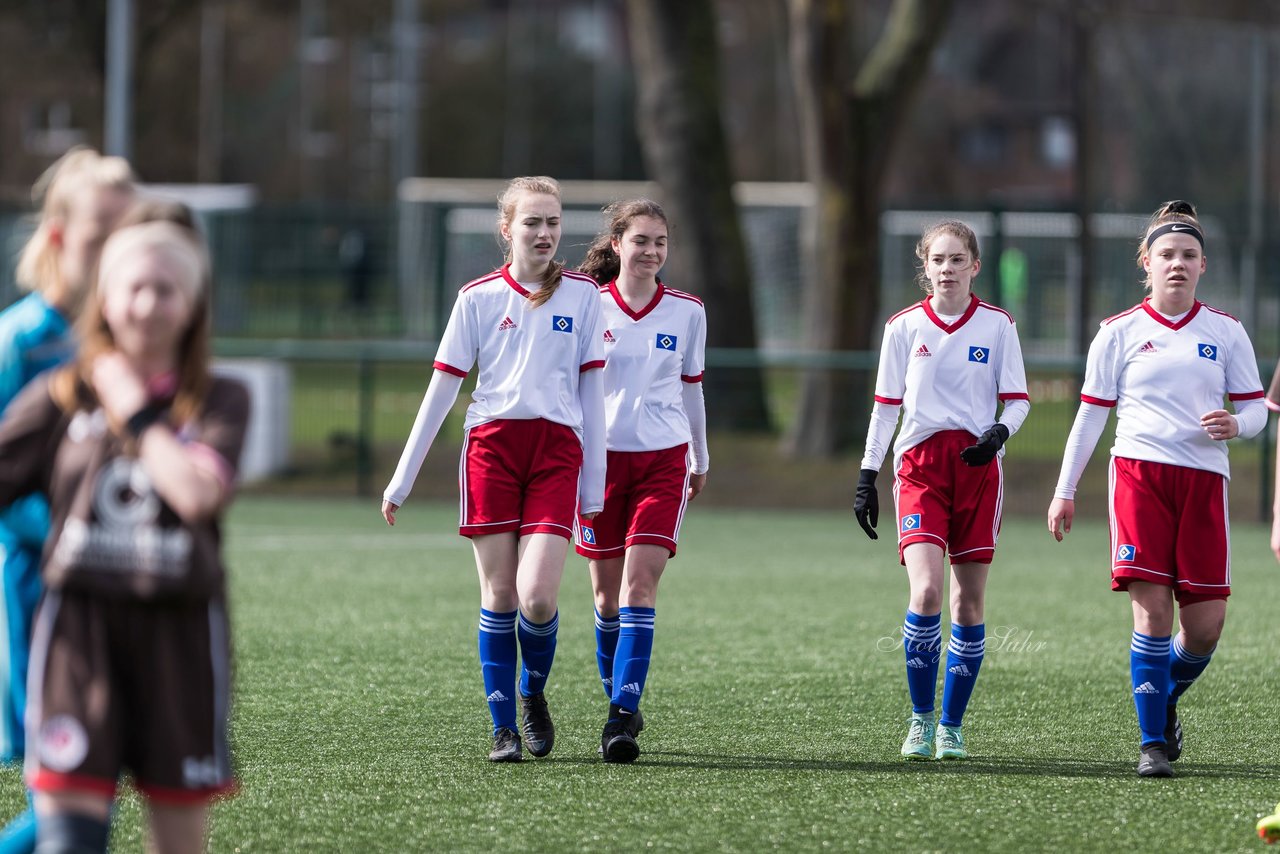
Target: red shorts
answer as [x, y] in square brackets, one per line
[519, 475]
[645, 494]
[941, 500]
[1169, 526]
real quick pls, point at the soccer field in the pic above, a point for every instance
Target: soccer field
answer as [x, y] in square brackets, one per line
[774, 710]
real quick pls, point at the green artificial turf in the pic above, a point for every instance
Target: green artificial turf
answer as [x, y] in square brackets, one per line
[775, 706]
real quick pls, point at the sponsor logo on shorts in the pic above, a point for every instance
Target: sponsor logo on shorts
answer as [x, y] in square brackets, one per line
[911, 523]
[1146, 688]
[667, 342]
[979, 354]
[588, 536]
[1126, 552]
[561, 324]
[63, 743]
[1208, 351]
[201, 772]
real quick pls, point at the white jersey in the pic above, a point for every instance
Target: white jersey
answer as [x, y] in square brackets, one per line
[529, 358]
[649, 354]
[1162, 376]
[949, 376]
[1273, 393]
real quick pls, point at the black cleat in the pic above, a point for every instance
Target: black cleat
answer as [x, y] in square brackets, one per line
[634, 723]
[1154, 761]
[1173, 734]
[617, 744]
[506, 747]
[535, 724]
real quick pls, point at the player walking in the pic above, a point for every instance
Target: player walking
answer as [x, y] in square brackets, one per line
[657, 452]
[1165, 366]
[533, 448]
[945, 362]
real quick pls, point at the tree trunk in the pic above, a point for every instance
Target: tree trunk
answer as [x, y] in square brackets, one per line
[675, 53]
[848, 125]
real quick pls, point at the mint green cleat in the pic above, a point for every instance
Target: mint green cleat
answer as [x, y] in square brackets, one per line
[950, 743]
[919, 743]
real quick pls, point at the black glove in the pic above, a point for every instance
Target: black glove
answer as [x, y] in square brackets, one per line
[988, 446]
[866, 503]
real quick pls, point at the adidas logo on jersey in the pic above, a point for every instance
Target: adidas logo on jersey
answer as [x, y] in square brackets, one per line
[1147, 348]
[1146, 688]
[507, 323]
[960, 670]
[608, 337]
[496, 697]
[916, 663]
[923, 352]
[632, 688]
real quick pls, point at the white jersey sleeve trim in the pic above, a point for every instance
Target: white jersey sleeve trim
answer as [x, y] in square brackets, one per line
[1091, 420]
[442, 391]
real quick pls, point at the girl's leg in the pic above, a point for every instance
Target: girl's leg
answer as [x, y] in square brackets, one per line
[967, 644]
[541, 567]
[922, 641]
[177, 830]
[606, 583]
[496, 563]
[644, 564]
[72, 821]
[1149, 671]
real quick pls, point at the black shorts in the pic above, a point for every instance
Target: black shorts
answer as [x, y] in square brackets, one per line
[121, 685]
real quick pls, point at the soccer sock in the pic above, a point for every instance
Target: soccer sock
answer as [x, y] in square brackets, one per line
[1149, 669]
[498, 666]
[1184, 668]
[922, 640]
[19, 835]
[964, 657]
[631, 663]
[537, 651]
[606, 645]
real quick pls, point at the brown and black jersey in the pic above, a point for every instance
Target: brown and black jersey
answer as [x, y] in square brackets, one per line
[111, 532]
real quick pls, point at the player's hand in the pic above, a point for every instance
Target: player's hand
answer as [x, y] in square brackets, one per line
[866, 503]
[589, 516]
[697, 482]
[1275, 535]
[389, 511]
[120, 389]
[1061, 512]
[989, 444]
[1220, 425]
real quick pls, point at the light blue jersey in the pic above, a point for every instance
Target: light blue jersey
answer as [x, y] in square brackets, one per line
[34, 337]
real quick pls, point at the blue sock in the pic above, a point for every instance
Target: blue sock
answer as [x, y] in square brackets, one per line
[1184, 668]
[1149, 668]
[922, 640]
[537, 651]
[498, 666]
[606, 644]
[631, 663]
[964, 657]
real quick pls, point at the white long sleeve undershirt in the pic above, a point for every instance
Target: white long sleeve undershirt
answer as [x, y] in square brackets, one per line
[884, 420]
[442, 391]
[1087, 429]
[695, 409]
[594, 449]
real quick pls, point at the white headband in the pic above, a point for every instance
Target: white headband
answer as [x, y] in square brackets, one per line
[183, 256]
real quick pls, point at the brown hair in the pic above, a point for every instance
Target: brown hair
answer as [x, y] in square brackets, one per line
[72, 386]
[1176, 210]
[78, 169]
[507, 211]
[602, 263]
[953, 227]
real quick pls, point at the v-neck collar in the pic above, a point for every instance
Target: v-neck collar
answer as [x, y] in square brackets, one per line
[1164, 321]
[964, 318]
[622, 303]
[515, 286]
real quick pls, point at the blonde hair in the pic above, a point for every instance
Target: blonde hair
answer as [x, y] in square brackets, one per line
[1175, 210]
[602, 263]
[53, 194]
[506, 213]
[72, 386]
[953, 227]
